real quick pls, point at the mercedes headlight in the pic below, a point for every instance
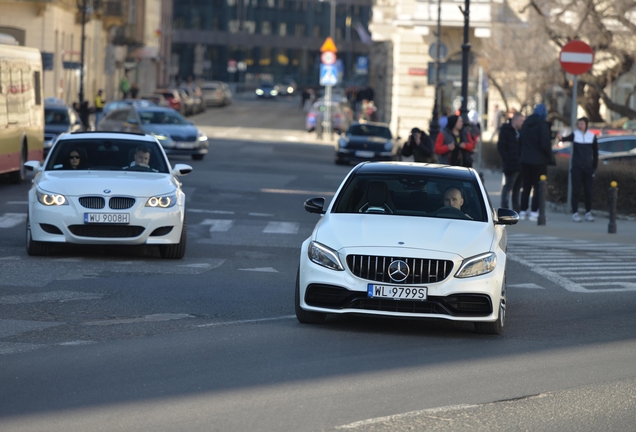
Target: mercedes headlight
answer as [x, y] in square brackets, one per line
[50, 199]
[477, 265]
[324, 256]
[163, 201]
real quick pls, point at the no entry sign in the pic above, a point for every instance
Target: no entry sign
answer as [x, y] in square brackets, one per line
[576, 57]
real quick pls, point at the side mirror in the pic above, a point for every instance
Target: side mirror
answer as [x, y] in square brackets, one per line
[34, 166]
[315, 205]
[181, 169]
[506, 217]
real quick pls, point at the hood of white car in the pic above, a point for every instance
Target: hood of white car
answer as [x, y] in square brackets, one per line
[129, 183]
[461, 237]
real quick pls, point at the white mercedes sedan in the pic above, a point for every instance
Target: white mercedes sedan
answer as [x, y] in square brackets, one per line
[102, 188]
[406, 240]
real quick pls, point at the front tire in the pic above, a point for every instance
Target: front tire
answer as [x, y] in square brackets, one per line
[35, 248]
[176, 251]
[303, 316]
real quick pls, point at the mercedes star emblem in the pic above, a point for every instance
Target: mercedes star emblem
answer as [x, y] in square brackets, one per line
[398, 271]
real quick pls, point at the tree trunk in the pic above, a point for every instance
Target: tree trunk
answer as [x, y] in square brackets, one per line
[590, 101]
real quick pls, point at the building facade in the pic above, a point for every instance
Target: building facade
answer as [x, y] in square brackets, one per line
[246, 40]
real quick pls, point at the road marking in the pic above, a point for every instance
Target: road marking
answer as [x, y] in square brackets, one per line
[222, 212]
[248, 321]
[580, 272]
[10, 220]
[261, 214]
[77, 343]
[282, 228]
[291, 138]
[227, 132]
[584, 278]
[218, 225]
[144, 319]
[261, 269]
[52, 296]
[525, 285]
[296, 192]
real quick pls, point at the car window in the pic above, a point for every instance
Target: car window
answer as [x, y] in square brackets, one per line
[98, 154]
[412, 195]
[56, 116]
[118, 115]
[369, 130]
[162, 117]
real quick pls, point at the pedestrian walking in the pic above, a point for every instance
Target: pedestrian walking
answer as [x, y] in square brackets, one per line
[454, 145]
[509, 148]
[99, 107]
[134, 90]
[124, 86]
[584, 163]
[420, 147]
[536, 155]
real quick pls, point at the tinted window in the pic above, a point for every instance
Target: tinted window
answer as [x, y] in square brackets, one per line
[119, 115]
[411, 195]
[105, 155]
[369, 130]
[161, 117]
[56, 116]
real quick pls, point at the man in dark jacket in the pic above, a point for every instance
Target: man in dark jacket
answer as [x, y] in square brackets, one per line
[584, 163]
[535, 157]
[420, 146]
[509, 149]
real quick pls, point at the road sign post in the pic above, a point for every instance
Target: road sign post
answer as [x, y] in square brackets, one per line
[576, 58]
[328, 78]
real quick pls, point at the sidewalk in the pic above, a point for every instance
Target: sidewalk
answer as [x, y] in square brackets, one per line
[560, 223]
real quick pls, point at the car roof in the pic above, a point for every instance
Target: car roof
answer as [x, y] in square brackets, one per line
[108, 135]
[154, 109]
[452, 172]
[615, 137]
[386, 125]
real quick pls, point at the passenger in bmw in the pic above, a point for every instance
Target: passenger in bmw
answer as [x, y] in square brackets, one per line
[74, 160]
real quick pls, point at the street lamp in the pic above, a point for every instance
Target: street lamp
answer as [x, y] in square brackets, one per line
[434, 127]
[83, 106]
[465, 59]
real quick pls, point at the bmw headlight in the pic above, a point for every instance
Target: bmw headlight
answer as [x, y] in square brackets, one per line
[163, 201]
[388, 146]
[477, 265]
[50, 199]
[324, 256]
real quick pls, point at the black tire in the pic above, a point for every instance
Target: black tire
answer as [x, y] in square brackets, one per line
[35, 248]
[496, 327]
[303, 316]
[198, 157]
[17, 177]
[176, 251]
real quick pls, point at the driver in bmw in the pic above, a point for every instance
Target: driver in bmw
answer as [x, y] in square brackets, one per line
[453, 198]
[142, 158]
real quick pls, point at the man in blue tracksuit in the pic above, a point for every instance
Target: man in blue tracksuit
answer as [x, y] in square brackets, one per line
[584, 162]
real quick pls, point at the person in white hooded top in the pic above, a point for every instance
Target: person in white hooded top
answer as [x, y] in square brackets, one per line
[584, 163]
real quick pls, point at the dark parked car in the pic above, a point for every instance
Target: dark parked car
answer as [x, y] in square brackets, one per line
[59, 118]
[367, 142]
[177, 135]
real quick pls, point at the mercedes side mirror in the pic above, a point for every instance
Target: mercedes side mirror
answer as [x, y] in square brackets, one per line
[315, 205]
[506, 217]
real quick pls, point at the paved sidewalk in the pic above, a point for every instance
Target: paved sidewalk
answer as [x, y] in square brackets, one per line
[560, 224]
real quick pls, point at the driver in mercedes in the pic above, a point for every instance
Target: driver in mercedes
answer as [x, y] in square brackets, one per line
[453, 198]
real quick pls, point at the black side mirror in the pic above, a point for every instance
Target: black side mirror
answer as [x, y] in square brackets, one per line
[506, 217]
[315, 205]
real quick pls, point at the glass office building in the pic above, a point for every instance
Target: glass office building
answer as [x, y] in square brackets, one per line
[247, 40]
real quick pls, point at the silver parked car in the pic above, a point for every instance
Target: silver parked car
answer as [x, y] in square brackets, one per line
[216, 93]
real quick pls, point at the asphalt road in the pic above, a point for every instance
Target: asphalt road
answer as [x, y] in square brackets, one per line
[117, 339]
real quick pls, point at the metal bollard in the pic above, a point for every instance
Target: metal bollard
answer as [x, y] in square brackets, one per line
[613, 199]
[542, 183]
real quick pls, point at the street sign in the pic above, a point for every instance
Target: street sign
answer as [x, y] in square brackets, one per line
[329, 45]
[328, 75]
[443, 50]
[328, 58]
[231, 66]
[576, 57]
[362, 65]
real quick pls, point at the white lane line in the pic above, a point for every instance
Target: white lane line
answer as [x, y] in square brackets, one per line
[10, 220]
[525, 285]
[281, 228]
[218, 225]
[550, 275]
[77, 343]
[584, 278]
[249, 321]
[144, 319]
[261, 269]
[261, 214]
[565, 266]
[581, 273]
[221, 212]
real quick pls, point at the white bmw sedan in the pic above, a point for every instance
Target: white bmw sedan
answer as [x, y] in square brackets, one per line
[407, 240]
[101, 188]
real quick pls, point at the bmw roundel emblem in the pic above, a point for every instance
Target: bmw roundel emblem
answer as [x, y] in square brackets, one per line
[107, 191]
[398, 271]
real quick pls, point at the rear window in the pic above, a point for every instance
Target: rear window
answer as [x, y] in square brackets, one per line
[161, 117]
[412, 195]
[107, 155]
[56, 116]
[370, 130]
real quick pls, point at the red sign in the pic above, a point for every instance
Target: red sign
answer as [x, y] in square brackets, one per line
[328, 58]
[418, 71]
[576, 57]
